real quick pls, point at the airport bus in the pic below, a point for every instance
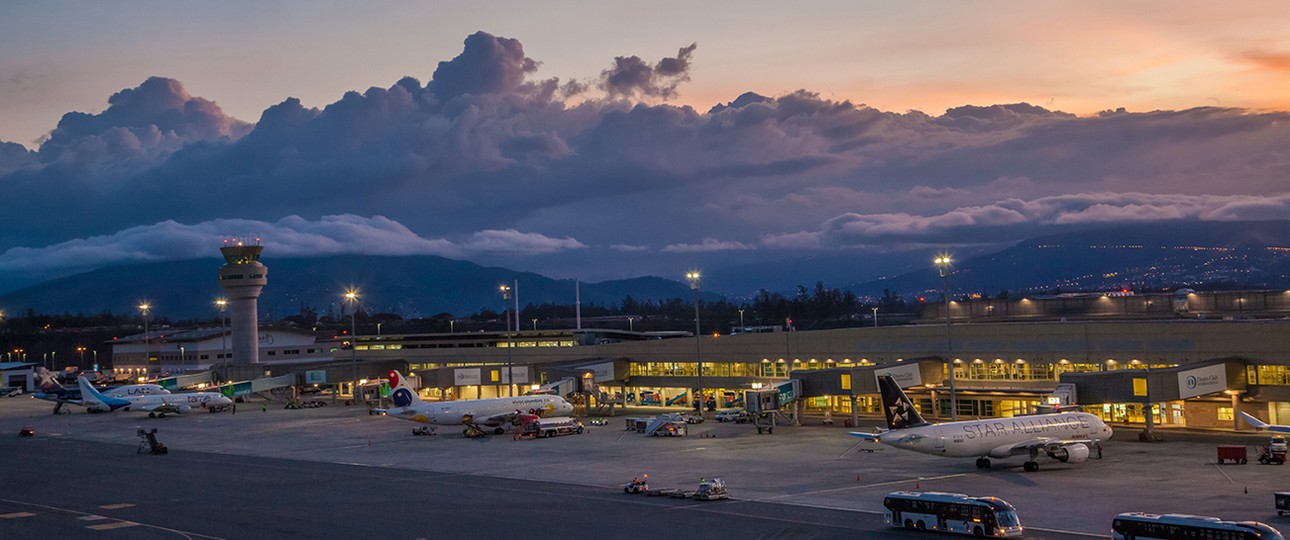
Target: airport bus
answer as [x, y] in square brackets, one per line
[951, 512]
[1142, 526]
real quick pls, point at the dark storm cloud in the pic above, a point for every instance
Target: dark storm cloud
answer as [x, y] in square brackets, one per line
[491, 159]
[632, 77]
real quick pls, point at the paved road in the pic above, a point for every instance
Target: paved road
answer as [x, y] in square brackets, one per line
[62, 488]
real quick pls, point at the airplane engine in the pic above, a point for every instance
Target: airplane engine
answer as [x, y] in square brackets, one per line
[1071, 453]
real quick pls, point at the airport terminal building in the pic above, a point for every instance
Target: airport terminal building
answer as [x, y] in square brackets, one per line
[1190, 359]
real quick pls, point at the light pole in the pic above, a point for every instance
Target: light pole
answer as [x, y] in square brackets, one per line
[506, 295]
[741, 321]
[875, 316]
[222, 305]
[943, 263]
[378, 329]
[452, 326]
[351, 297]
[81, 352]
[535, 325]
[631, 324]
[693, 277]
[144, 308]
[181, 359]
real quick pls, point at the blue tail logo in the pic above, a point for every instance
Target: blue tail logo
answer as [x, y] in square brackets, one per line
[89, 393]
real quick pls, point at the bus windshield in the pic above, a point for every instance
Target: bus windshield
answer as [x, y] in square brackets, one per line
[1008, 518]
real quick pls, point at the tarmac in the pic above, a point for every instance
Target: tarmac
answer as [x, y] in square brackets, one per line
[809, 466]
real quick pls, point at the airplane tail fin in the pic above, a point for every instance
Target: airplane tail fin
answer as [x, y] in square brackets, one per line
[1253, 422]
[89, 394]
[46, 383]
[900, 410]
[401, 391]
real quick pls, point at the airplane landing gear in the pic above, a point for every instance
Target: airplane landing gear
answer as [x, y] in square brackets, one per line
[982, 463]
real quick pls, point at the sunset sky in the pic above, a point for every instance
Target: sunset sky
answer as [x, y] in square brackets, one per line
[546, 136]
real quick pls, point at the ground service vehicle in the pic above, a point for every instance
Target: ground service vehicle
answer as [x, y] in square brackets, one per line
[1142, 526]
[637, 485]
[1274, 452]
[732, 415]
[951, 512]
[551, 427]
[1282, 499]
[711, 490]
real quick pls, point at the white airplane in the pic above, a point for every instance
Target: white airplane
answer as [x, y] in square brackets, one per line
[1261, 425]
[1066, 437]
[153, 404]
[50, 390]
[494, 413]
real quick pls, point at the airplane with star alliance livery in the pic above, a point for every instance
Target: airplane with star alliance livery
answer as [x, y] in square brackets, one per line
[1065, 436]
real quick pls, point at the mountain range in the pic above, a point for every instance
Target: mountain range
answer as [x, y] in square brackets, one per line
[1147, 256]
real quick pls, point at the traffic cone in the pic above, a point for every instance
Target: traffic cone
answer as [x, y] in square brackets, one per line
[916, 485]
[857, 477]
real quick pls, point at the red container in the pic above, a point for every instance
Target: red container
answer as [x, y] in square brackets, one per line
[1233, 453]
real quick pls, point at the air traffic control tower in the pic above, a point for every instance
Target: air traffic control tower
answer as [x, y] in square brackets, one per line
[242, 277]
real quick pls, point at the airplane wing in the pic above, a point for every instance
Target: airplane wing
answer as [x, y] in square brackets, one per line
[874, 437]
[1042, 444]
[1261, 425]
[499, 419]
[163, 408]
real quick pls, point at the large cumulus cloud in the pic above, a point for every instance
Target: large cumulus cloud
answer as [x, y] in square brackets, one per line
[489, 153]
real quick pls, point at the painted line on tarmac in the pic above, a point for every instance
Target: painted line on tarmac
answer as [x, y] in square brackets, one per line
[1224, 473]
[110, 526]
[861, 486]
[118, 524]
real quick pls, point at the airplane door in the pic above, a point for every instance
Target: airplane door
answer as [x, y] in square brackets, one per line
[938, 440]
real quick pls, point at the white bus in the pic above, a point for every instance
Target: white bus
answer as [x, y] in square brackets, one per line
[951, 512]
[1141, 526]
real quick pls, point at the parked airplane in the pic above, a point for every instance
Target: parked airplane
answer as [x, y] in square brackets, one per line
[493, 413]
[50, 390]
[1066, 436]
[154, 405]
[1261, 425]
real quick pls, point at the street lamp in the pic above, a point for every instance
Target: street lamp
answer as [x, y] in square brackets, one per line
[351, 297]
[631, 324]
[81, 352]
[875, 316]
[535, 325]
[452, 326]
[144, 308]
[222, 305]
[741, 321]
[693, 277]
[943, 263]
[181, 359]
[506, 296]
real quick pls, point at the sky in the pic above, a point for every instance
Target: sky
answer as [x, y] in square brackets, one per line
[603, 140]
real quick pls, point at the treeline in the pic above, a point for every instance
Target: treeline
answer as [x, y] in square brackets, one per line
[818, 307]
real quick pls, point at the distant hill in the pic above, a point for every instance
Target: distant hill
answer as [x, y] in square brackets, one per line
[412, 286]
[1144, 256]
